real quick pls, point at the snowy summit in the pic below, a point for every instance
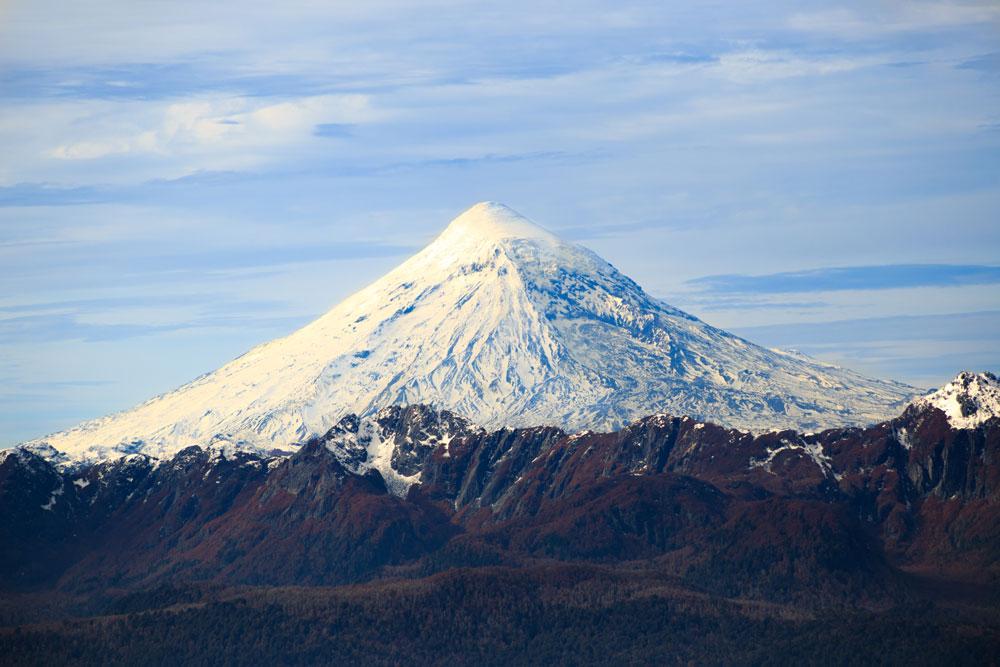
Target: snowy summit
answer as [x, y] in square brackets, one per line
[502, 322]
[968, 400]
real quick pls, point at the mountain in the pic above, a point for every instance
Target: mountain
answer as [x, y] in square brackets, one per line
[411, 535]
[780, 515]
[502, 322]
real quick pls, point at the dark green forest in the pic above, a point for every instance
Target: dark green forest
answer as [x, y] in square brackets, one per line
[483, 616]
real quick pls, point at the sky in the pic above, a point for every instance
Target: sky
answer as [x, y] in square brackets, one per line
[180, 181]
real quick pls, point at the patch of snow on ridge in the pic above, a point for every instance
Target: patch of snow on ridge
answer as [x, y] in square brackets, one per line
[968, 400]
[222, 447]
[58, 491]
[378, 456]
[814, 450]
[395, 441]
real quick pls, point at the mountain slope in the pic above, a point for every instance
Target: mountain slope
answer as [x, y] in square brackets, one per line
[502, 322]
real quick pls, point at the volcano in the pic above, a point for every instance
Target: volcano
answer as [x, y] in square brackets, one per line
[504, 323]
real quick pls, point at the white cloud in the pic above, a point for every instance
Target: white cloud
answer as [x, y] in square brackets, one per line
[222, 127]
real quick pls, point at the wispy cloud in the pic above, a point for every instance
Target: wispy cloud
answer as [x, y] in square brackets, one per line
[223, 126]
[876, 19]
[743, 302]
[762, 65]
[50, 194]
[41, 194]
[988, 62]
[157, 81]
[892, 276]
[119, 303]
[172, 264]
[50, 328]
[938, 327]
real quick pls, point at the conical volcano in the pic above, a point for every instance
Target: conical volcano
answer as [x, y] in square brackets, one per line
[502, 322]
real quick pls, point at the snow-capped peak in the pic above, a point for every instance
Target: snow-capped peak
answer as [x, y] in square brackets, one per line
[492, 221]
[968, 400]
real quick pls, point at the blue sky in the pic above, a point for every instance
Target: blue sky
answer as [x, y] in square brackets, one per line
[180, 181]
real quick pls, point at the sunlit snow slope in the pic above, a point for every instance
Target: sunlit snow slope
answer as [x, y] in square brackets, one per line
[503, 323]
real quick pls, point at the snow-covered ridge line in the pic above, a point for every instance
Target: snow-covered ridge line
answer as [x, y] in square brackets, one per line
[501, 321]
[399, 442]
